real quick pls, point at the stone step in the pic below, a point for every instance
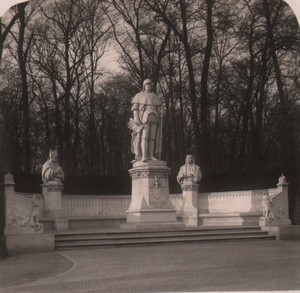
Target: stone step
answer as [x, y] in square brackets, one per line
[87, 239]
[84, 244]
[61, 238]
[133, 232]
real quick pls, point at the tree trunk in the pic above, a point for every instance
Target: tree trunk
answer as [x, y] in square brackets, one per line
[22, 58]
[284, 131]
[204, 100]
[193, 96]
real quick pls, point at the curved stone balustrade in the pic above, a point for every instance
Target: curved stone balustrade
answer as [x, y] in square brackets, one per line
[233, 201]
[116, 205]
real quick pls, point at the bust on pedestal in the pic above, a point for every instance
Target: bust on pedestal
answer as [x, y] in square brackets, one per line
[150, 207]
[52, 175]
[188, 177]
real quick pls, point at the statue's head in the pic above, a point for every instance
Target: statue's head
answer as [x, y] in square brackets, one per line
[53, 155]
[189, 159]
[266, 195]
[147, 84]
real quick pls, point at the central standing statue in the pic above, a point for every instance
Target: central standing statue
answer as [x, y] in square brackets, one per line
[150, 207]
[146, 124]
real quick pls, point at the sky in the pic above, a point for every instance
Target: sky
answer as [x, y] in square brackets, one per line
[6, 4]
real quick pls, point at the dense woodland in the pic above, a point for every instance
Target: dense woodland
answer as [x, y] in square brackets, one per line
[228, 72]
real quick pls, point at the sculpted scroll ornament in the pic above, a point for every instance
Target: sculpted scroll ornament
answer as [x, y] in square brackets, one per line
[22, 212]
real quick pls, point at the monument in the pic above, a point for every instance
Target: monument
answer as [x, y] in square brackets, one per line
[52, 176]
[188, 177]
[151, 207]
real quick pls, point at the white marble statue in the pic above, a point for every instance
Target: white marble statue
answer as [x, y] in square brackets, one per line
[146, 124]
[51, 170]
[272, 207]
[189, 171]
[266, 206]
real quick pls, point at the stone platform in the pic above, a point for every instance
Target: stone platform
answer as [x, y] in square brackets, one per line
[150, 207]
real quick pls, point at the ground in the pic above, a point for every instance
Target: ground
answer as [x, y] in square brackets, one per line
[228, 266]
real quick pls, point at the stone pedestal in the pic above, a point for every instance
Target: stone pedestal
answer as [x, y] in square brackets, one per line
[289, 232]
[29, 243]
[53, 204]
[190, 203]
[150, 207]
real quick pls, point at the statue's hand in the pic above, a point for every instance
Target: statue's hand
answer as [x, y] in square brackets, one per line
[58, 172]
[138, 122]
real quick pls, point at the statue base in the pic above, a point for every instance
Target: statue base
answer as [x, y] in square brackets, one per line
[190, 203]
[53, 204]
[151, 207]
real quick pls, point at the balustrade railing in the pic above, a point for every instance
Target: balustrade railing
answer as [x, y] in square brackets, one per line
[240, 205]
[117, 205]
[233, 201]
[94, 205]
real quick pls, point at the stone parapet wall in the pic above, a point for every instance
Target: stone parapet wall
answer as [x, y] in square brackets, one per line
[233, 201]
[117, 205]
[214, 203]
[96, 205]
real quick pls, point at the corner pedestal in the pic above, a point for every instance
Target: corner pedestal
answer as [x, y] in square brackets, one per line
[53, 204]
[20, 240]
[289, 232]
[151, 207]
[190, 203]
[29, 243]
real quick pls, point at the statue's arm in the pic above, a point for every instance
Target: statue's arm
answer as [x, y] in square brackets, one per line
[59, 173]
[198, 175]
[47, 173]
[180, 176]
[135, 110]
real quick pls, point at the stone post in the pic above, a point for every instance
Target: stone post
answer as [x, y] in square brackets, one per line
[190, 203]
[53, 204]
[9, 191]
[283, 187]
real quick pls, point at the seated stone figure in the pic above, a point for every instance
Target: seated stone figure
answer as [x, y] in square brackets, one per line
[51, 170]
[266, 205]
[189, 171]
